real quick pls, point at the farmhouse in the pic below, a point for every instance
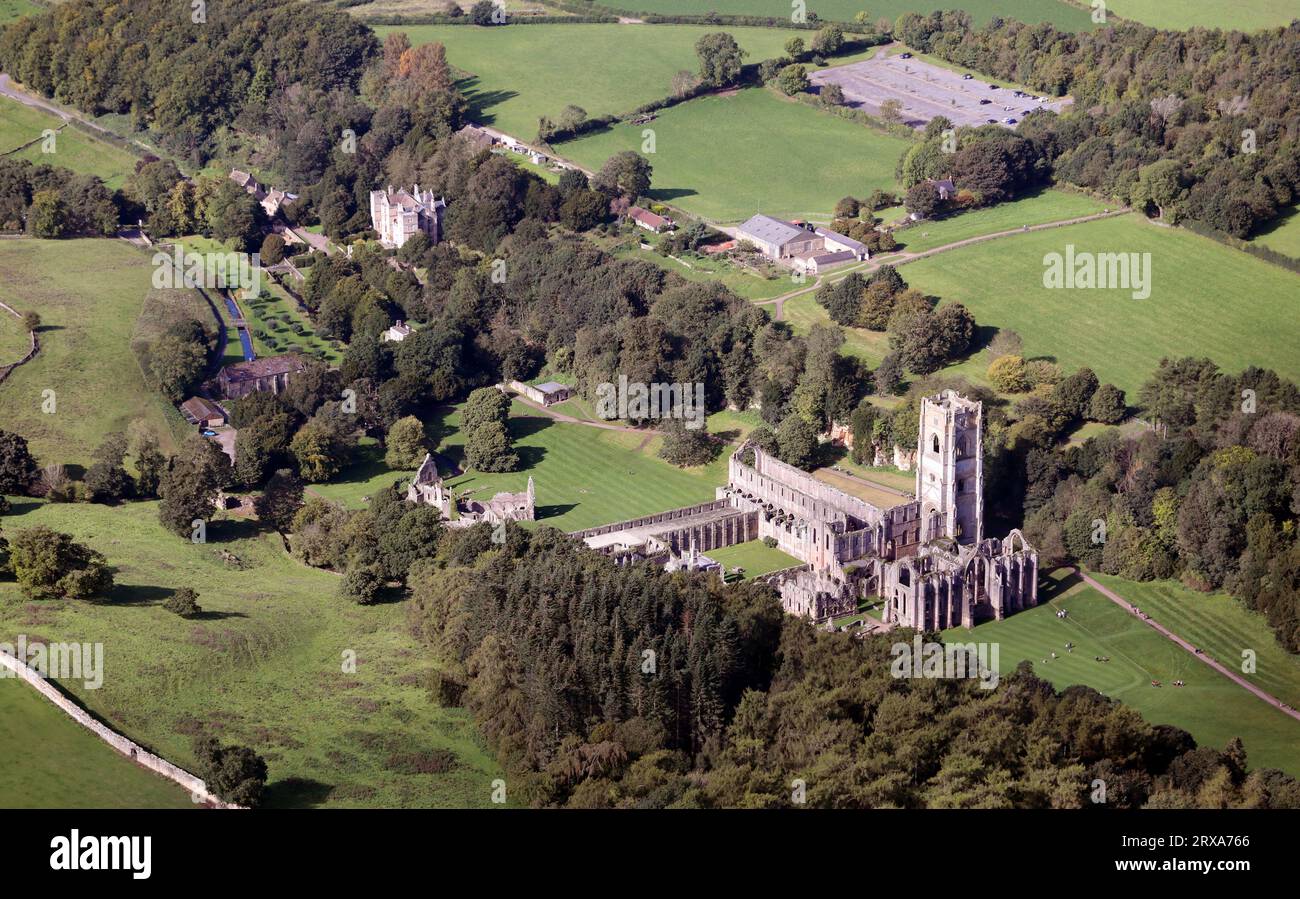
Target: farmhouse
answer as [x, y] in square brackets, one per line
[644, 218]
[398, 332]
[428, 489]
[271, 198]
[268, 373]
[927, 558]
[398, 215]
[203, 412]
[809, 246]
[547, 394]
[479, 138]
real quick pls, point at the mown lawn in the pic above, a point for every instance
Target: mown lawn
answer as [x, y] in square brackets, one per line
[519, 74]
[1043, 207]
[1031, 11]
[263, 667]
[755, 557]
[14, 338]
[1206, 300]
[1283, 234]
[583, 476]
[50, 761]
[1210, 707]
[73, 149]
[1243, 15]
[728, 157]
[89, 294]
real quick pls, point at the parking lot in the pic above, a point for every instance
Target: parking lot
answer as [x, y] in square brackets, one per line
[927, 90]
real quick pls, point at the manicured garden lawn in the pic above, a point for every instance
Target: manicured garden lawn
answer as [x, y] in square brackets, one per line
[1221, 626]
[73, 149]
[1210, 707]
[263, 667]
[1047, 206]
[802, 312]
[1283, 235]
[50, 761]
[755, 557]
[89, 294]
[1031, 11]
[522, 73]
[1206, 300]
[1243, 15]
[583, 476]
[274, 315]
[725, 158]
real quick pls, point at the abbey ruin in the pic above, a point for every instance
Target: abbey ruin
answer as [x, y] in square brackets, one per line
[927, 558]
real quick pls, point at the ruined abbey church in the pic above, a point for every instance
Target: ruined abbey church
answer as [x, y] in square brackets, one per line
[927, 558]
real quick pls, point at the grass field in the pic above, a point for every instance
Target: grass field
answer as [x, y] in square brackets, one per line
[1206, 299]
[273, 316]
[1210, 707]
[522, 73]
[73, 149]
[50, 761]
[1283, 235]
[1046, 206]
[726, 158]
[583, 476]
[14, 340]
[1243, 15]
[881, 499]
[755, 557]
[1031, 11]
[16, 9]
[263, 667]
[89, 294]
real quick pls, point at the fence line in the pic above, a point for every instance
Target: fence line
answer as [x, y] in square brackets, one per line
[197, 789]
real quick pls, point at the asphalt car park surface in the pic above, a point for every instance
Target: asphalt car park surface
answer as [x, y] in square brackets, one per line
[927, 90]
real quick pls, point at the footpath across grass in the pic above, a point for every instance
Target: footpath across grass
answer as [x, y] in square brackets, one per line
[1210, 707]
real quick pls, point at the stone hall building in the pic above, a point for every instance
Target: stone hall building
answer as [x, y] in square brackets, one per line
[427, 488]
[928, 558]
[398, 215]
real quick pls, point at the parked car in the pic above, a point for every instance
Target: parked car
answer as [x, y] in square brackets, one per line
[985, 102]
[1009, 121]
[967, 77]
[992, 121]
[208, 432]
[905, 56]
[993, 87]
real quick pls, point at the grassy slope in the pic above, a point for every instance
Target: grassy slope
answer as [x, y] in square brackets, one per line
[1244, 15]
[1047, 206]
[1032, 11]
[1206, 299]
[583, 476]
[263, 668]
[726, 158]
[1283, 234]
[74, 149]
[14, 342]
[50, 761]
[530, 71]
[1210, 707]
[89, 294]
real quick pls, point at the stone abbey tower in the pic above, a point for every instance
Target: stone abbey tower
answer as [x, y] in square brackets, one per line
[926, 557]
[950, 468]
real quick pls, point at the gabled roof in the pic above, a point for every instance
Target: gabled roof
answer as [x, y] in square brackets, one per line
[552, 387]
[197, 408]
[770, 230]
[840, 239]
[646, 217]
[265, 367]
